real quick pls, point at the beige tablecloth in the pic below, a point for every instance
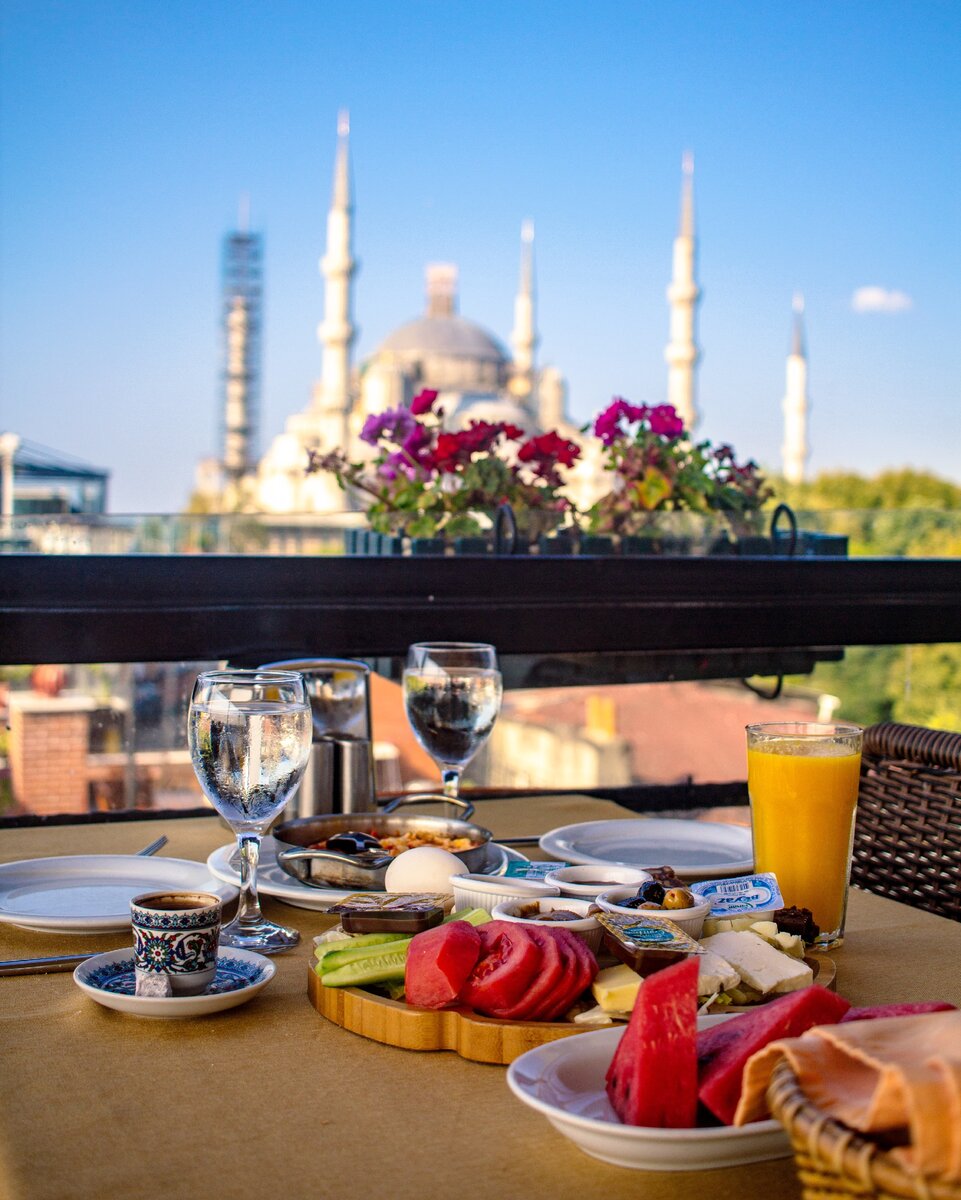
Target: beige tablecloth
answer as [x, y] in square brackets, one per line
[272, 1101]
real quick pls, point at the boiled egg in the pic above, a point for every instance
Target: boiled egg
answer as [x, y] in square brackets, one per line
[423, 869]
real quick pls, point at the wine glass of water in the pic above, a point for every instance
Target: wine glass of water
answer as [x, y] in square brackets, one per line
[452, 691]
[249, 734]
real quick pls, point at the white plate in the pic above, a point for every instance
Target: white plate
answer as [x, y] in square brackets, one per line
[108, 979]
[91, 893]
[564, 1080]
[706, 848]
[274, 881]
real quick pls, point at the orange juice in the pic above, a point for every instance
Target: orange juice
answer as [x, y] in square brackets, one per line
[803, 794]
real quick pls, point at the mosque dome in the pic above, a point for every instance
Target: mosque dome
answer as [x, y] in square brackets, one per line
[445, 337]
[442, 349]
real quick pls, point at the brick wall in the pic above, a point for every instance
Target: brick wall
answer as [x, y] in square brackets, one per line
[49, 739]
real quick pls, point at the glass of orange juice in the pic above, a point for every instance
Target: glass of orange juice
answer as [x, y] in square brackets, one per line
[802, 779]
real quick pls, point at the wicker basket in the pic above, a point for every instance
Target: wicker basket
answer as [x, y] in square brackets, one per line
[907, 840]
[834, 1162]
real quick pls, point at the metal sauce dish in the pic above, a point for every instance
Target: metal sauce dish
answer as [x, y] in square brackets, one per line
[365, 872]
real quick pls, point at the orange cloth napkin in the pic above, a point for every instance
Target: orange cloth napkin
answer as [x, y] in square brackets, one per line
[895, 1073]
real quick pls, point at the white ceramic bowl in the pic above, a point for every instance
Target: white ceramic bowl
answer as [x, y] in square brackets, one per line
[486, 891]
[585, 927]
[564, 1080]
[588, 882]
[691, 920]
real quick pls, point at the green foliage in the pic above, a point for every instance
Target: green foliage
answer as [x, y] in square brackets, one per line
[902, 513]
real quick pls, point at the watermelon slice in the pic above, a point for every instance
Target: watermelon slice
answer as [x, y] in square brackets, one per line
[652, 1079]
[438, 963]
[723, 1049]
[874, 1011]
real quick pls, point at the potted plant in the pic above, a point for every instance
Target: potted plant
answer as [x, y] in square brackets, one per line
[664, 486]
[433, 485]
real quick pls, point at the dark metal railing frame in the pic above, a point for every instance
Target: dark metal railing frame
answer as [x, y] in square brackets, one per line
[102, 608]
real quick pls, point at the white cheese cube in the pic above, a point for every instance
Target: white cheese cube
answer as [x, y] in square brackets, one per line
[760, 966]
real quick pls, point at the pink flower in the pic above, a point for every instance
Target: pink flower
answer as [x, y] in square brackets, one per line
[664, 421]
[423, 402]
[608, 425]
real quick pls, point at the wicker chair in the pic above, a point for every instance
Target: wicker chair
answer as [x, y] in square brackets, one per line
[907, 838]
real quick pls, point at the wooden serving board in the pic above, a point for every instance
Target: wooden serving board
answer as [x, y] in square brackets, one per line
[480, 1039]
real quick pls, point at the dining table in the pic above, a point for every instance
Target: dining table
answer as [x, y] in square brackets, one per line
[272, 1100]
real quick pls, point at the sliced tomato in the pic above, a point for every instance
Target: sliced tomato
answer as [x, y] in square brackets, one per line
[439, 961]
[582, 967]
[509, 960]
[543, 987]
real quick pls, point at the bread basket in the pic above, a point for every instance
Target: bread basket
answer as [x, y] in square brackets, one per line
[835, 1163]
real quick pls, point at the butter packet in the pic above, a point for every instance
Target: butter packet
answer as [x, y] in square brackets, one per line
[531, 870]
[743, 895]
[645, 944]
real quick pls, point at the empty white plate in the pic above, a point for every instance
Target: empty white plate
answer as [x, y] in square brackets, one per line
[91, 893]
[692, 848]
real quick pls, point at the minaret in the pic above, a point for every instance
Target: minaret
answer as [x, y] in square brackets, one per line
[681, 352]
[524, 336]
[795, 404]
[337, 331]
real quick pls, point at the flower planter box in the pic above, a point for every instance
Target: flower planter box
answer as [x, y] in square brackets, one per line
[568, 541]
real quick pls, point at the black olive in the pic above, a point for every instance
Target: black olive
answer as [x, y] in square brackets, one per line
[652, 891]
[352, 843]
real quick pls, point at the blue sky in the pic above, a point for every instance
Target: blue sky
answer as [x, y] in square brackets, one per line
[828, 160]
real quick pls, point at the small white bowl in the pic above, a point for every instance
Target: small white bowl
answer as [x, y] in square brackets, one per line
[486, 891]
[588, 882]
[691, 920]
[585, 927]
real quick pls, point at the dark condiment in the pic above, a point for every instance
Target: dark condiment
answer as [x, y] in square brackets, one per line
[351, 842]
[796, 920]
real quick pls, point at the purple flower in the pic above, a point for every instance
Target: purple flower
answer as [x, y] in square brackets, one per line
[395, 425]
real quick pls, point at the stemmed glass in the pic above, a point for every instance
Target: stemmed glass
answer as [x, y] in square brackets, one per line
[452, 691]
[249, 734]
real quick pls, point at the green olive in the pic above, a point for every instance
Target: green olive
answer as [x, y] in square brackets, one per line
[678, 898]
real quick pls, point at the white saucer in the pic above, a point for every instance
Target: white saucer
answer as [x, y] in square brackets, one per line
[274, 881]
[109, 979]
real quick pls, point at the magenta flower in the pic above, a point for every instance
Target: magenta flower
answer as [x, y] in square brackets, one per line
[664, 421]
[608, 425]
[423, 402]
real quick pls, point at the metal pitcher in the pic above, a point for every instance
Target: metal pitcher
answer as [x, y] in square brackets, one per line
[340, 772]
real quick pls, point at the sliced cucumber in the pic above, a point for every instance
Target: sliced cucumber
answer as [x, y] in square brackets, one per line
[474, 916]
[361, 939]
[386, 967]
[341, 958]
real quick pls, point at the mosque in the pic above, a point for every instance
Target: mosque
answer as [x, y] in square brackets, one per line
[478, 377]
